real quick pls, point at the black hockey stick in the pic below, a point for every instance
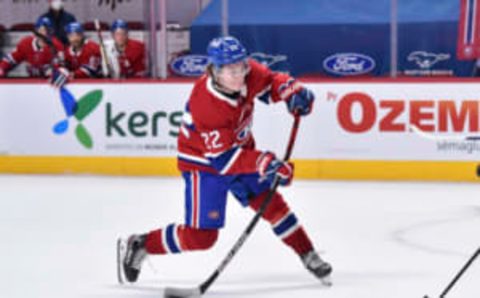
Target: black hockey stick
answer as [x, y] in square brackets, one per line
[202, 288]
[459, 274]
[48, 41]
[53, 50]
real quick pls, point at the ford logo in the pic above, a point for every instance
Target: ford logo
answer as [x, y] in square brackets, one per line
[189, 65]
[349, 64]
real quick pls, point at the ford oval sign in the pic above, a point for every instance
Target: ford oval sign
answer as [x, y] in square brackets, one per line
[349, 64]
[189, 65]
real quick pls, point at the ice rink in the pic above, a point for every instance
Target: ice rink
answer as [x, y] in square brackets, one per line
[384, 240]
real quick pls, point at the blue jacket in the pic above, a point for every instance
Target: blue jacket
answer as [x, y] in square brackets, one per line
[59, 21]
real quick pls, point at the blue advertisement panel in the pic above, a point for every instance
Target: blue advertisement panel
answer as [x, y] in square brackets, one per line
[343, 37]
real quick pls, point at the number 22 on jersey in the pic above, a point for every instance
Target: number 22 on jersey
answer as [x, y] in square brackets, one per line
[211, 139]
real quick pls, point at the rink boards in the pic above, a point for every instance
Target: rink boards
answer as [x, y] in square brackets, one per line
[400, 130]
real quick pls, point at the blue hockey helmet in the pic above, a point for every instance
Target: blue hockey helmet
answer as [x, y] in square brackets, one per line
[43, 22]
[74, 27]
[225, 50]
[119, 24]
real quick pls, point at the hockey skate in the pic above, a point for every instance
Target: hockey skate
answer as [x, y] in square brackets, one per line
[130, 255]
[318, 267]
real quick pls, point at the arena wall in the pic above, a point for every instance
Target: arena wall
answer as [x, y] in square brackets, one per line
[400, 129]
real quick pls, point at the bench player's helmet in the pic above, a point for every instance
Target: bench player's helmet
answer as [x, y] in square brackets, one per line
[44, 22]
[225, 50]
[74, 27]
[119, 24]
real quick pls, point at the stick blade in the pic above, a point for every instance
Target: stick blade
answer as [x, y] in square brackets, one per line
[182, 293]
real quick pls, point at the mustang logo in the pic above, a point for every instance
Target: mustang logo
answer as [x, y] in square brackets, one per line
[427, 60]
[268, 60]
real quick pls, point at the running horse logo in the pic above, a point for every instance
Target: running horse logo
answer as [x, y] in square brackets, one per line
[427, 60]
[268, 60]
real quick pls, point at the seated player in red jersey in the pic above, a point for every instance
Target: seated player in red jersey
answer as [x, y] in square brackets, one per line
[125, 56]
[217, 155]
[39, 56]
[82, 57]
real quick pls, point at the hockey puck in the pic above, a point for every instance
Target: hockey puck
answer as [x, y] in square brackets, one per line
[478, 171]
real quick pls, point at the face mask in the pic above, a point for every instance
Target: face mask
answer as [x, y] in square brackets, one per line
[56, 4]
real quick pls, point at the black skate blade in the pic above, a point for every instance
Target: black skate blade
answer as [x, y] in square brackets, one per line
[182, 293]
[120, 278]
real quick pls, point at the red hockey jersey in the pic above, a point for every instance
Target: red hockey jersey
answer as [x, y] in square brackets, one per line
[132, 60]
[84, 63]
[215, 135]
[39, 59]
[468, 40]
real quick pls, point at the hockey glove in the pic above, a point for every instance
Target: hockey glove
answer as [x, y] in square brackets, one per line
[268, 166]
[59, 77]
[301, 102]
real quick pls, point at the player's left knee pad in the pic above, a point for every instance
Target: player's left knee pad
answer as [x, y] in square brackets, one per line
[276, 209]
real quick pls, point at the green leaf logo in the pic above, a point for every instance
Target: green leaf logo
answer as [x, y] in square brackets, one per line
[80, 109]
[83, 136]
[87, 103]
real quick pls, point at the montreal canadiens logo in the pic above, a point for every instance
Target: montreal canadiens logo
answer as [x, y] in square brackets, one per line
[245, 130]
[349, 64]
[189, 65]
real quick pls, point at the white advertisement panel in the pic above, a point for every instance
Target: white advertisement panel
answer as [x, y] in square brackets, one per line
[350, 121]
[395, 121]
[93, 120]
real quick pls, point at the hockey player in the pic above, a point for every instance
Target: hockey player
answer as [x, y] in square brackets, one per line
[125, 56]
[39, 56]
[82, 57]
[217, 155]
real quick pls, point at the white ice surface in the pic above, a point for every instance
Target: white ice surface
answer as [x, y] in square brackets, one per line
[384, 240]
